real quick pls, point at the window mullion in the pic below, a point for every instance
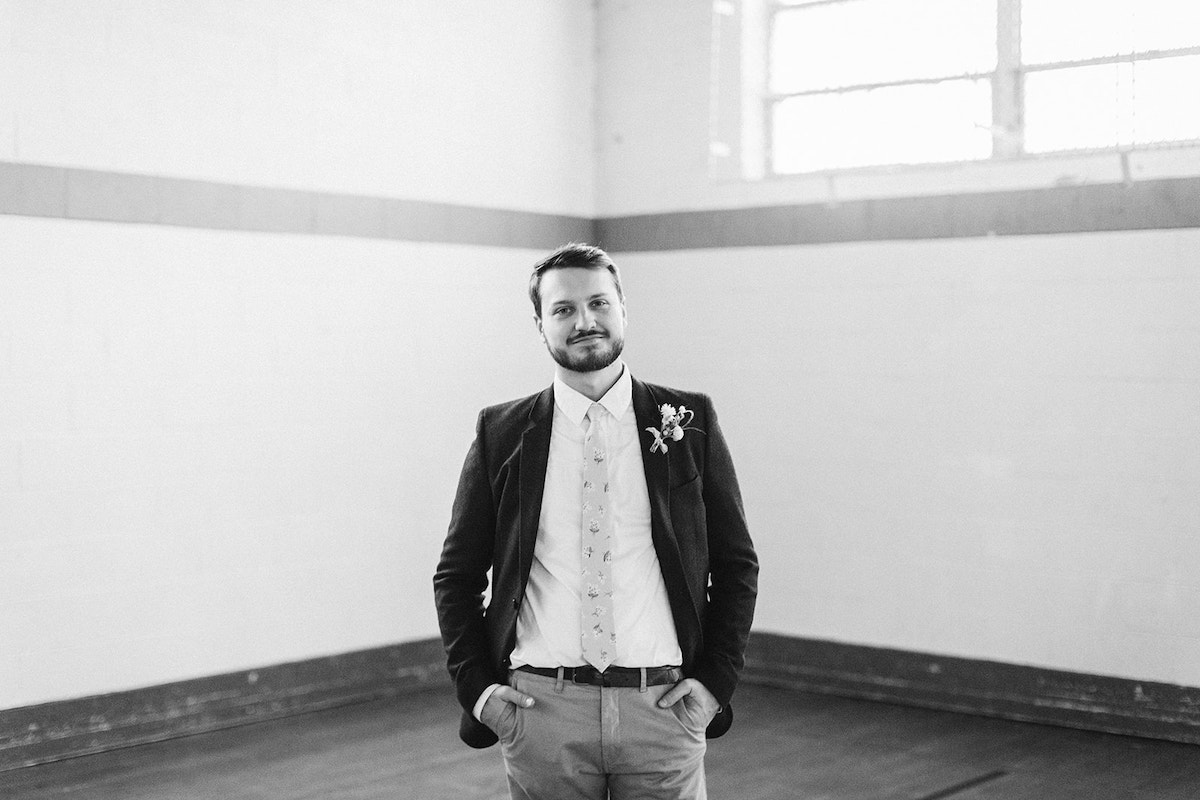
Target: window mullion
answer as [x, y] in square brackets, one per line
[1007, 123]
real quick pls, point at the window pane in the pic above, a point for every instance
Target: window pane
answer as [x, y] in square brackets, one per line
[1072, 108]
[1164, 99]
[1112, 105]
[875, 41]
[923, 123]
[1066, 30]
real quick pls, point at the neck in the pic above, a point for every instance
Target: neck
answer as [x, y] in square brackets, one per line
[592, 385]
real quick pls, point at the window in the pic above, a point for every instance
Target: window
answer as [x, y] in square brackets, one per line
[854, 83]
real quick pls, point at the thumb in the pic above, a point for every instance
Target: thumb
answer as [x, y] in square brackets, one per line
[677, 692]
[511, 695]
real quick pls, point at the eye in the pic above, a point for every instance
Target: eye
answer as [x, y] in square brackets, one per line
[561, 310]
[599, 303]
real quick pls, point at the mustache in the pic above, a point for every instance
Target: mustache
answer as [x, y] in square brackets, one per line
[586, 334]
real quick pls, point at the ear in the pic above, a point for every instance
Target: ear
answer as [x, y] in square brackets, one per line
[537, 321]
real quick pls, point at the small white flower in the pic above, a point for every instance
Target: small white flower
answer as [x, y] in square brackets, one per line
[674, 423]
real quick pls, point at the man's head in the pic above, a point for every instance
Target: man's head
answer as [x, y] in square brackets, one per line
[579, 307]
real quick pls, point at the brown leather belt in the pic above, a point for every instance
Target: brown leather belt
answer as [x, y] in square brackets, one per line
[616, 677]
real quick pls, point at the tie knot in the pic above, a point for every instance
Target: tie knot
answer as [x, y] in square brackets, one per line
[595, 412]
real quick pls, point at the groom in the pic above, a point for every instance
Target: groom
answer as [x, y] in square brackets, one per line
[623, 577]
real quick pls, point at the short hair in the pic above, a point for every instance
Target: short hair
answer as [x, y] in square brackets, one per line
[575, 254]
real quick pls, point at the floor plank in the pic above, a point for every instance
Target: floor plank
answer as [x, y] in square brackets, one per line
[784, 745]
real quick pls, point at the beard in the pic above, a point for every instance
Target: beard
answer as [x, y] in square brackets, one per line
[592, 360]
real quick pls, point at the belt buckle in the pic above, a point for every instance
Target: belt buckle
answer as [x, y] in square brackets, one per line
[586, 676]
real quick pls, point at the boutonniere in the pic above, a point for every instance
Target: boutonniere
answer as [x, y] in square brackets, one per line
[674, 423]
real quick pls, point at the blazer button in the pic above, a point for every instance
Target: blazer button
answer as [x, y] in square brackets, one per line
[516, 603]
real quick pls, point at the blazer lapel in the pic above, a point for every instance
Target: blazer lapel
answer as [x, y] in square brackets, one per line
[535, 452]
[657, 467]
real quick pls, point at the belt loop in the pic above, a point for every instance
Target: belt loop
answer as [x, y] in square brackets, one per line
[558, 681]
[642, 686]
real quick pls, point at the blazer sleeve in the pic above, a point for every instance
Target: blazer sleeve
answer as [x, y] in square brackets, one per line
[733, 570]
[461, 576]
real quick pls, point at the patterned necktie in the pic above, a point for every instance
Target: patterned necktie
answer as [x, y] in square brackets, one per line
[599, 638]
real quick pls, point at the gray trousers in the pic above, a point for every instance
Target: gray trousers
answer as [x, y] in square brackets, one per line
[582, 742]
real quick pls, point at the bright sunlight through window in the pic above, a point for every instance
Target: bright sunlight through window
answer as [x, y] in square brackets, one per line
[856, 83]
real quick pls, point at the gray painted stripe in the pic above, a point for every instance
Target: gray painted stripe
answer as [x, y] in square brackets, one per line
[1173, 203]
[976, 686]
[69, 193]
[68, 728]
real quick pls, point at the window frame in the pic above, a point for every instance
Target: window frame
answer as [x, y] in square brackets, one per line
[1007, 79]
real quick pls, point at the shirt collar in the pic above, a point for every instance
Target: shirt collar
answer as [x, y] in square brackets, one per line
[574, 405]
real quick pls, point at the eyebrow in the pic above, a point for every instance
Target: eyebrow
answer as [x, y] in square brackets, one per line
[597, 296]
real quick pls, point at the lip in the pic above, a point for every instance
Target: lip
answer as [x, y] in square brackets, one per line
[591, 337]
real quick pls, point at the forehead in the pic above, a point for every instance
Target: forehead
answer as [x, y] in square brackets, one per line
[576, 283]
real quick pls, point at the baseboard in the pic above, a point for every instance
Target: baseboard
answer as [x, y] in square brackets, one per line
[1010, 691]
[54, 731]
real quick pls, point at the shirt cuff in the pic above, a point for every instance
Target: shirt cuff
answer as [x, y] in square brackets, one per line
[482, 701]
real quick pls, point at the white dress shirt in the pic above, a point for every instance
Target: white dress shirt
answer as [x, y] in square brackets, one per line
[548, 624]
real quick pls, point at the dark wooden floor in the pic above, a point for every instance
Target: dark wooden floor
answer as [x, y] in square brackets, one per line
[784, 745]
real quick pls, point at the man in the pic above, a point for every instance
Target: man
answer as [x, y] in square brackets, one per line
[623, 574]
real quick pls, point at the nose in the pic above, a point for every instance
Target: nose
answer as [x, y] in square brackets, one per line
[585, 321]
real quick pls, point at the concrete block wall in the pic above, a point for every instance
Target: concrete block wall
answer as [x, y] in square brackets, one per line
[221, 448]
[982, 447]
[227, 450]
[425, 100]
[227, 441]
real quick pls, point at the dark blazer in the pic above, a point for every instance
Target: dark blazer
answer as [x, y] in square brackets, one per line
[697, 524]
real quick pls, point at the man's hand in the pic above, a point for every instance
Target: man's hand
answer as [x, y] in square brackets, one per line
[511, 695]
[495, 712]
[695, 696]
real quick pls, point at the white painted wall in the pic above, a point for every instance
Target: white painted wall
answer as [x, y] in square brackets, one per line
[223, 450]
[226, 450]
[454, 101]
[983, 448]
